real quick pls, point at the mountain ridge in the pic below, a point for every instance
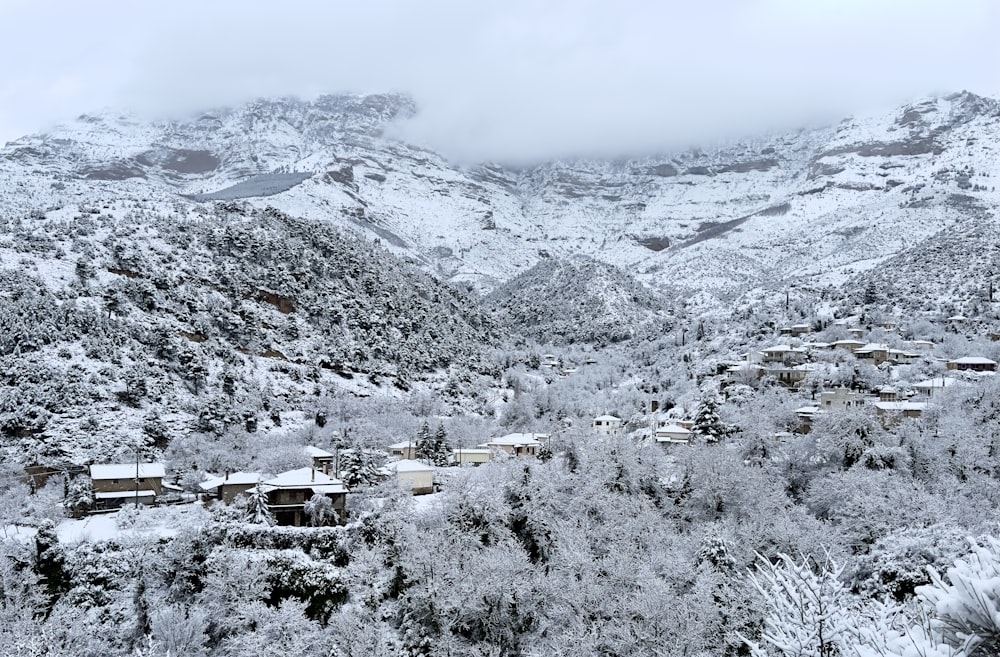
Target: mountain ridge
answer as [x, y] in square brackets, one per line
[809, 207]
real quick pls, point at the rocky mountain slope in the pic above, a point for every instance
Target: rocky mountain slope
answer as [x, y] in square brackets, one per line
[121, 329]
[813, 207]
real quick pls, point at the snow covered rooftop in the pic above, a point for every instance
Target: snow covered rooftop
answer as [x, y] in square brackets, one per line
[318, 453]
[402, 445]
[329, 489]
[607, 418]
[234, 479]
[872, 346]
[304, 478]
[672, 428]
[126, 471]
[407, 465]
[900, 406]
[809, 410]
[519, 439]
[973, 360]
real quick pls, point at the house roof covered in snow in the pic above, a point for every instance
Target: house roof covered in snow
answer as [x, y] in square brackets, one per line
[234, 479]
[900, 406]
[782, 348]
[519, 439]
[872, 346]
[103, 471]
[973, 360]
[673, 428]
[318, 453]
[305, 478]
[408, 465]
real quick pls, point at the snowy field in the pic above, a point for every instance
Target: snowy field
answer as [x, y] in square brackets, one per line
[147, 522]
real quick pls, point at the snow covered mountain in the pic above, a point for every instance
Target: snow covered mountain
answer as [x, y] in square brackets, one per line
[814, 207]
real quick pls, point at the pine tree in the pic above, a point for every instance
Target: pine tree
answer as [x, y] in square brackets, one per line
[424, 444]
[50, 562]
[707, 423]
[258, 510]
[358, 468]
[441, 452]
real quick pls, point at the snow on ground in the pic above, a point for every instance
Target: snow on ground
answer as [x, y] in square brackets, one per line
[425, 503]
[127, 523]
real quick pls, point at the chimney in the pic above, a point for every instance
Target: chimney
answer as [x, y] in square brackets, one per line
[313, 474]
[226, 478]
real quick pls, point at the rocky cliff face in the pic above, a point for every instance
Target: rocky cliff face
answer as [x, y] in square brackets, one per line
[815, 207]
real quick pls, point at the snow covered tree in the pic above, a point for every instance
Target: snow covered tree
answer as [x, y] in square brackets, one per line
[545, 453]
[808, 612]
[320, 510]
[358, 468]
[50, 562]
[708, 425]
[257, 509]
[441, 452]
[966, 607]
[424, 445]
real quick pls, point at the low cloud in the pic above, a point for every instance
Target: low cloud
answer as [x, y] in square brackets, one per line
[517, 81]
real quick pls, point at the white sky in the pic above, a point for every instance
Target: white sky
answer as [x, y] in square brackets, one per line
[512, 80]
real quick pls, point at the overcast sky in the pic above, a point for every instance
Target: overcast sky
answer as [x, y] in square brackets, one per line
[513, 80]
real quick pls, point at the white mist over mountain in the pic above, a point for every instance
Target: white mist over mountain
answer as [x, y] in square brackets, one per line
[518, 82]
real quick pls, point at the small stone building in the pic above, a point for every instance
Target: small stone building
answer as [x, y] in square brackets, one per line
[120, 483]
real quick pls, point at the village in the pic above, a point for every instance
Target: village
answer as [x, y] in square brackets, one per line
[291, 496]
[827, 377]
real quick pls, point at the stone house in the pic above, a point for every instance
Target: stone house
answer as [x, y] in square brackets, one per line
[288, 492]
[120, 483]
[228, 487]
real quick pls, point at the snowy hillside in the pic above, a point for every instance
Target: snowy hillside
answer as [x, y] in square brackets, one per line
[580, 300]
[122, 328]
[815, 206]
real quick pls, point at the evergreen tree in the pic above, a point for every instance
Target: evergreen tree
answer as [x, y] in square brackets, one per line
[545, 453]
[424, 444]
[441, 452]
[358, 468]
[79, 494]
[257, 509]
[50, 562]
[871, 294]
[707, 423]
